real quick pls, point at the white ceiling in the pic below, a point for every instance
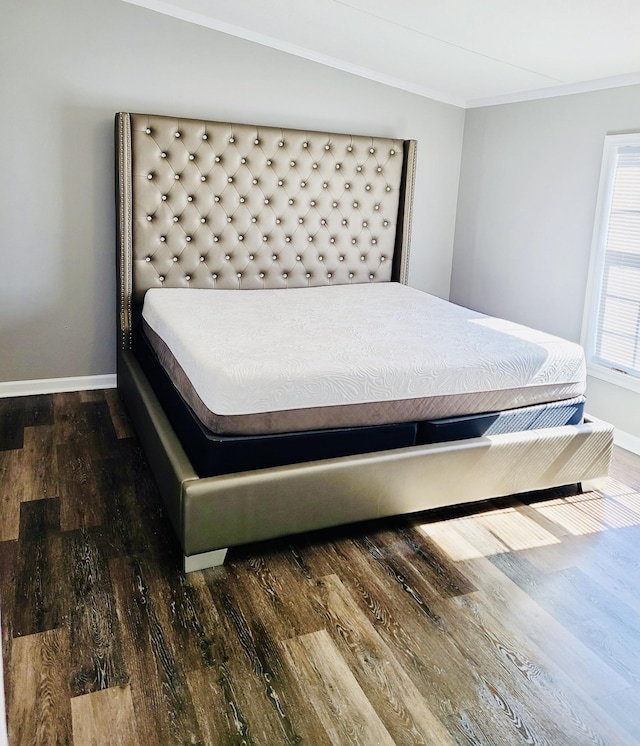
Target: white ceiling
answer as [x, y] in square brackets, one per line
[465, 52]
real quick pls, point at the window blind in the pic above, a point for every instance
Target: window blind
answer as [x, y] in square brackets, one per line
[615, 319]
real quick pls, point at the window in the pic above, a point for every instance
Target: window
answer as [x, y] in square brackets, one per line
[611, 329]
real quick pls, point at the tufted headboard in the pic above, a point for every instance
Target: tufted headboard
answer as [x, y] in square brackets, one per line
[217, 205]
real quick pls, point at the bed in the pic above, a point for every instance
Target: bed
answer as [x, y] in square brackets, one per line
[280, 373]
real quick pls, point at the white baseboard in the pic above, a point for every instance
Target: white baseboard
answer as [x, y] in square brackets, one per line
[627, 441]
[56, 385]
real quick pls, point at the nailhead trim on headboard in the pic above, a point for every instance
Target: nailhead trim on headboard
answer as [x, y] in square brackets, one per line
[219, 205]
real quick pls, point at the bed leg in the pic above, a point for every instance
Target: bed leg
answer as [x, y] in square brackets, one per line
[591, 485]
[204, 560]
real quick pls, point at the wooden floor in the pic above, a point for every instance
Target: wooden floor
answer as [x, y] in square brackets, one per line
[514, 623]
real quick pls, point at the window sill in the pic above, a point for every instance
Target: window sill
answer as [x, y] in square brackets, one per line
[623, 380]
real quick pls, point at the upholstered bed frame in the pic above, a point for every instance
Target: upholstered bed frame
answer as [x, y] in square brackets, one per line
[232, 206]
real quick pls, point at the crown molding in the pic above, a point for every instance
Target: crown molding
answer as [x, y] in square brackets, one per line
[567, 89]
[200, 19]
[166, 7]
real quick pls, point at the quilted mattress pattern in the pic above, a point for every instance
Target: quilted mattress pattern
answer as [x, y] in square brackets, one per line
[262, 352]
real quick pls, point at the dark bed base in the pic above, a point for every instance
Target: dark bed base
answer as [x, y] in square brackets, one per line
[213, 455]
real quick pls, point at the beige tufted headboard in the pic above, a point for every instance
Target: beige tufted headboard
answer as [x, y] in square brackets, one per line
[217, 205]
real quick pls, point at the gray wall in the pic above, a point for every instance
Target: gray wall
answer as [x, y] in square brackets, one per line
[67, 67]
[528, 188]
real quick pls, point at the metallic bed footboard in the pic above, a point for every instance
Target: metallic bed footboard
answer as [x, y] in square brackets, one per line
[216, 513]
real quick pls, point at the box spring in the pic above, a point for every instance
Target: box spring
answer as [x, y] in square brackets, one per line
[213, 454]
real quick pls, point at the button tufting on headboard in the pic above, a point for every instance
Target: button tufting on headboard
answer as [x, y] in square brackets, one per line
[302, 204]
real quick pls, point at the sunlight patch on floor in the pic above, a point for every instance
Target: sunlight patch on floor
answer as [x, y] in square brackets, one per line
[494, 532]
[568, 515]
[451, 541]
[517, 531]
[505, 530]
[614, 487]
[631, 501]
[591, 513]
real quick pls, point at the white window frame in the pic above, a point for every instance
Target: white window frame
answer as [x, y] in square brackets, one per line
[596, 268]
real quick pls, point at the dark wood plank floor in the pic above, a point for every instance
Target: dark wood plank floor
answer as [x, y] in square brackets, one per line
[517, 622]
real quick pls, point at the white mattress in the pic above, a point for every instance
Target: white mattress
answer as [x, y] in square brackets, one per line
[247, 352]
